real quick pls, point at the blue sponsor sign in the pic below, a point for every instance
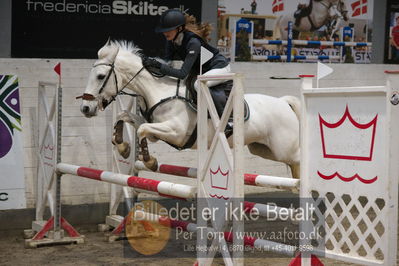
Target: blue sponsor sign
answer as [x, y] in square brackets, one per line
[243, 24]
[347, 31]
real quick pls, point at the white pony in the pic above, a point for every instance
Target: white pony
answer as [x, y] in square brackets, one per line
[272, 131]
[327, 13]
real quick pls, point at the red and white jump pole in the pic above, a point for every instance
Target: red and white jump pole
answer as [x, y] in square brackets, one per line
[249, 179]
[163, 188]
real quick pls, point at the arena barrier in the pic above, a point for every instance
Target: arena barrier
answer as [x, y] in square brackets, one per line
[349, 154]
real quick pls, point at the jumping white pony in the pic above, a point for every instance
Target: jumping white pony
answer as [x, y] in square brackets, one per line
[272, 130]
[329, 13]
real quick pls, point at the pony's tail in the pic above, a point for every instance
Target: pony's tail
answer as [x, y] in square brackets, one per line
[295, 104]
[276, 29]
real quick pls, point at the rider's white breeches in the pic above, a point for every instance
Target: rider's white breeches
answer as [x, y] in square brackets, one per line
[216, 71]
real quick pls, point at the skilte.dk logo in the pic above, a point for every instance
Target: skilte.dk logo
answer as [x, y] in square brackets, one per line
[118, 7]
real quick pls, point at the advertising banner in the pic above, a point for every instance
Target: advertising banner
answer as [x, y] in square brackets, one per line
[12, 180]
[78, 28]
[313, 20]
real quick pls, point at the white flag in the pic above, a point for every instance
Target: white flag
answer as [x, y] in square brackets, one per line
[323, 70]
[205, 56]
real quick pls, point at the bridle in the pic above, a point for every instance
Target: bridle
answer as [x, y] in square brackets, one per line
[103, 103]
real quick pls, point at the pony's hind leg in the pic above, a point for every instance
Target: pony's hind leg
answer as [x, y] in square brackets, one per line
[261, 150]
[295, 170]
[264, 152]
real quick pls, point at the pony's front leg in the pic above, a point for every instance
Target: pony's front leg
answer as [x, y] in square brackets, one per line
[154, 131]
[117, 138]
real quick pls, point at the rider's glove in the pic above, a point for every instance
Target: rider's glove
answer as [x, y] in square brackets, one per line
[149, 62]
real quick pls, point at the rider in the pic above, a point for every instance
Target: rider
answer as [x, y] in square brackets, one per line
[184, 39]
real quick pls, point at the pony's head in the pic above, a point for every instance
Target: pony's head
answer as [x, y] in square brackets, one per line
[106, 76]
[341, 6]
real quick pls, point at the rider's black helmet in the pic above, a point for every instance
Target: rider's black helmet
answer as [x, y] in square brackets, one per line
[170, 20]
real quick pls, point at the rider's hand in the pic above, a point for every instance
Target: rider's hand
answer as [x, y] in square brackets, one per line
[149, 62]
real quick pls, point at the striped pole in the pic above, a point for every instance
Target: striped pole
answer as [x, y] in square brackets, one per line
[249, 179]
[296, 57]
[162, 188]
[257, 243]
[318, 43]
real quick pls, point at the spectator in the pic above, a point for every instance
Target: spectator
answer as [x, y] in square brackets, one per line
[253, 6]
[323, 39]
[395, 40]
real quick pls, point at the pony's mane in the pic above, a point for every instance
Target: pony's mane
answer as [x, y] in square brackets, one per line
[127, 46]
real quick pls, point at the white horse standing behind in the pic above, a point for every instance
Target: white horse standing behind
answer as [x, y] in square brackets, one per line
[322, 13]
[272, 131]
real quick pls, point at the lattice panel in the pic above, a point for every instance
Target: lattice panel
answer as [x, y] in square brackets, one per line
[353, 226]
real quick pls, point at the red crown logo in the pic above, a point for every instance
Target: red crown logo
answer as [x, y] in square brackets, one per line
[219, 179]
[49, 152]
[348, 139]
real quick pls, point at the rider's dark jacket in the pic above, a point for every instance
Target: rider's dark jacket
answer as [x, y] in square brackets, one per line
[187, 47]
